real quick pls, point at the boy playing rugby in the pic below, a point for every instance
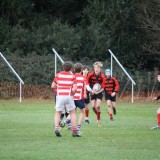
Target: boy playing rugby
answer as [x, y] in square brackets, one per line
[65, 82]
[96, 97]
[85, 72]
[111, 88]
[80, 93]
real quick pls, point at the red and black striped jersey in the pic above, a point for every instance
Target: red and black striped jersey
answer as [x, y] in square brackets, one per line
[92, 79]
[111, 85]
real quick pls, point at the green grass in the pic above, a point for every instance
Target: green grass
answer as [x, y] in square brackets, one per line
[26, 133]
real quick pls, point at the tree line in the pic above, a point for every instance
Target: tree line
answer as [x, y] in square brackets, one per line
[80, 30]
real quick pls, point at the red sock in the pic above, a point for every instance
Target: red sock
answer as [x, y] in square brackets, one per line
[98, 116]
[87, 112]
[74, 129]
[110, 115]
[95, 111]
[158, 117]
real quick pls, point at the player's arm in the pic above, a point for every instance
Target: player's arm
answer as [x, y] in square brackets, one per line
[87, 84]
[74, 87]
[116, 87]
[101, 90]
[54, 85]
[85, 90]
[89, 89]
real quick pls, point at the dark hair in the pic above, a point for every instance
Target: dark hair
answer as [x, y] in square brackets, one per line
[78, 67]
[67, 66]
[86, 67]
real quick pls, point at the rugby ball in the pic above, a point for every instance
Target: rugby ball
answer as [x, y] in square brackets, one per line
[62, 124]
[97, 87]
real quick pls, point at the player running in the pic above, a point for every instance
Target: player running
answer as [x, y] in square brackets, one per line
[85, 73]
[80, 93]
[158, 110]
[96, 97]
[111, 88]
[66, 85]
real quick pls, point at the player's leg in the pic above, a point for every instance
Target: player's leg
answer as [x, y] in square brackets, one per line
[110, 110]
[93, 105]
[98, 104]
[56, 120]
[71, 108]
[158, 120]
[81, 105]
[114, 107]
[158, 116]
[80, 119]
[86, 113]
[113, 101]
[59, 108]
[87, 100]
[109, 105]
[68, 121]
[62, 116]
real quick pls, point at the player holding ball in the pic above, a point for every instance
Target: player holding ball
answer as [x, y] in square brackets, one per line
[96, 96]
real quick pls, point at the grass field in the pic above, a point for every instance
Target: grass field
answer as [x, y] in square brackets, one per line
[26, 133]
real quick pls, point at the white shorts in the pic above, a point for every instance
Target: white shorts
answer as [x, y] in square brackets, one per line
[64, 102]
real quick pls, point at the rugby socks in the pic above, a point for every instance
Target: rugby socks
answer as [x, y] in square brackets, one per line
[69, 124]
[98, 116]
[87, 113]
[56, 128]
[95, 111]
[110, 115]
[158, 117]
[78, 127]
[74, 129]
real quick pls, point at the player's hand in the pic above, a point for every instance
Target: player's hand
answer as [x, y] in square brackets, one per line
[113, 94]
[85, 96]
[73, 91]
[155, 98]
[95, 92]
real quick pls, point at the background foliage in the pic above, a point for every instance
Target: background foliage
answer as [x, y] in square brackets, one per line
[80, 30]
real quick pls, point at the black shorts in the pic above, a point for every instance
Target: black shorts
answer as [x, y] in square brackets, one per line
[109, 97]
[87, 100]
[80, 103]
[97, 96]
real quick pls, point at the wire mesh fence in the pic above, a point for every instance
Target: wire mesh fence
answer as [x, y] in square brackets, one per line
[10, 90]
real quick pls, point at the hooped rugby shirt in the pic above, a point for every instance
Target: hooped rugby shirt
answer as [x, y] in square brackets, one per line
[64, 81]
[81, 82]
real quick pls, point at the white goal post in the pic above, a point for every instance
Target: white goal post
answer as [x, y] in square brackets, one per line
[133, 83]
[59, 57]
[20, 80]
